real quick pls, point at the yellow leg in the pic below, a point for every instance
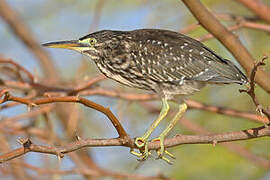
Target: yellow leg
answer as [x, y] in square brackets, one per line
[161, 151]
[142, 141]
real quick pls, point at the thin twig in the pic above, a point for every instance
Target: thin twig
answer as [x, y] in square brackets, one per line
[257, 7]
[251, 90]
[191, 103]
[20, 29]
[236, 148]
[121, 132]
[19, 67]
[86, 85]
[91, 172]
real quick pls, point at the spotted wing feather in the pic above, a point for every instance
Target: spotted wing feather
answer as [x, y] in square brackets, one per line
[177, 57]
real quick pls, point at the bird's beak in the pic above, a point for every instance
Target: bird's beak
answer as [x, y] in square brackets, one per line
[73, 44]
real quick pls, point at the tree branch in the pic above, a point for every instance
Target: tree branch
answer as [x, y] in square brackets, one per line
[191, 103]
[257, 7]
[228, 39]
[121, 132]
[251, 90]
[28, 146]
[24, 34]
[91, 172]
[236, 148]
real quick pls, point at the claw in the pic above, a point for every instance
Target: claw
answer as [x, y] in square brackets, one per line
[140, 142]
[138, 154]
[143, 155]
[170, 155]
[167, 160]
[162, 148]
[162, 152]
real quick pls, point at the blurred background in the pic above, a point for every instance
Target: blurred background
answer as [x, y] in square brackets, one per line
[53, 20]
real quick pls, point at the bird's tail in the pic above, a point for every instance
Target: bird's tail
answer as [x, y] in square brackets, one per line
[229, 74]
[222, 72]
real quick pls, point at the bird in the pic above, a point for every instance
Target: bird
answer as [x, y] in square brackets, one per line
[167, 63]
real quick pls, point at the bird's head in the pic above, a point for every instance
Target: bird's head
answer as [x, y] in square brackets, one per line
[93, 45]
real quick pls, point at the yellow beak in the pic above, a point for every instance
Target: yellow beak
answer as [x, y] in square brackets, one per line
[73, 44]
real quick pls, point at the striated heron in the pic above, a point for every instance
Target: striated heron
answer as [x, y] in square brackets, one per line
[165, 62]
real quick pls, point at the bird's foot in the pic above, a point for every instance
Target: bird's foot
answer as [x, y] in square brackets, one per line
[140, 142]
[142, 145]
[162, 152]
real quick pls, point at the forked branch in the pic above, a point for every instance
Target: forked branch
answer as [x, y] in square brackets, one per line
[251, 90]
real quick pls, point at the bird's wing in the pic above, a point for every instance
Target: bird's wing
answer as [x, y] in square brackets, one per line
[168, 56]
[189, 59]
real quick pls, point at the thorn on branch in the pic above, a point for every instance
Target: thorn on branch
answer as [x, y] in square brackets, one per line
[25, 142]
[47, 95]
[59, 157]
[259, 109]
[78, 138]
[59, 154]
[215, 143]
[30, 106]
[5, 94]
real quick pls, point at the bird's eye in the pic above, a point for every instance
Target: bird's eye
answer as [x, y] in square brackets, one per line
[92, 41]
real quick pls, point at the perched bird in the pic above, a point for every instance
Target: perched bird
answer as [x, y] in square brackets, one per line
[165, 62]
